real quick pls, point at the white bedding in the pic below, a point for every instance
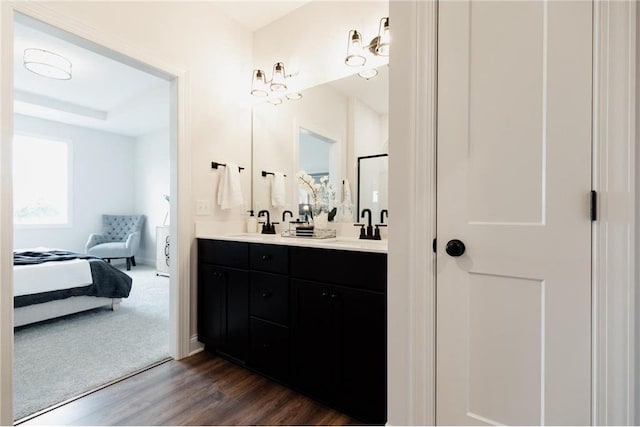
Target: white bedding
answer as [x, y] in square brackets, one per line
[51, 276]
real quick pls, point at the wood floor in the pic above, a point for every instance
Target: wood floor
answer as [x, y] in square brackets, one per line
[203, 389]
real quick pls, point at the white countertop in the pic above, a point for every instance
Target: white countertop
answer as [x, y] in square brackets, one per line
[339, 243]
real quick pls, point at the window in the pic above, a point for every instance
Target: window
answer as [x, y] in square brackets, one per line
[40, 181]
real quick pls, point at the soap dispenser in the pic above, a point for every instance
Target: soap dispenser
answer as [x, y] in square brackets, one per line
[252, 223]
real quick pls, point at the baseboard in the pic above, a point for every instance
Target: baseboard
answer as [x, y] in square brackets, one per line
[195, 346]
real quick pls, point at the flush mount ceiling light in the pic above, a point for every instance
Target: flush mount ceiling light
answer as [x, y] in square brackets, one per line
[47, 64]
[357, 53]
[275, 89]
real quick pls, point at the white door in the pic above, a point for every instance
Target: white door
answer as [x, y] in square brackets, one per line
[514, 173]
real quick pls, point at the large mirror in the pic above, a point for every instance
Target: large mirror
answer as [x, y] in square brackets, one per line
[323, 134]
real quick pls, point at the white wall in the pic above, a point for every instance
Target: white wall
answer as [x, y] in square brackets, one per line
[102, 177]
[151, 182]
[368, 138]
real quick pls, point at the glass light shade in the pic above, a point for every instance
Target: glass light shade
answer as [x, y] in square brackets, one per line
[275, 101]
[368, 73]
[47, 64]
[278, 82]
[355, 58]
[384, 38]
[294, 96]
[259, 84]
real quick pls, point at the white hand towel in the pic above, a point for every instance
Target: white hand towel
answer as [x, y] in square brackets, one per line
[229, 188]
[278, 190]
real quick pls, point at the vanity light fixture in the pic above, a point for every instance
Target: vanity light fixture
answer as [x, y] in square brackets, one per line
[275, 89]
[47, 64]
[379, 46]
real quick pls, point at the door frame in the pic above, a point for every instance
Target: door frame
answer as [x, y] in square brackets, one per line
[412, 180]
[180, 180]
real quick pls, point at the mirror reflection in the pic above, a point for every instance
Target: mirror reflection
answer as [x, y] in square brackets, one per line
[373, 177]
[323, 135]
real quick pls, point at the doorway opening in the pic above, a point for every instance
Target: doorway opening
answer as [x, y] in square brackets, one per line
[111, 122]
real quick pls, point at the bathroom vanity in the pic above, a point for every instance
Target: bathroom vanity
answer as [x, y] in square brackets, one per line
[310, 314]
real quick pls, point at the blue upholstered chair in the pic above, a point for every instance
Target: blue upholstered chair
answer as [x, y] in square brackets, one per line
[120, 238]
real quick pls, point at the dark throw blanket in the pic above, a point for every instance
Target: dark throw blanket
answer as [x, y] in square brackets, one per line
[108, 281]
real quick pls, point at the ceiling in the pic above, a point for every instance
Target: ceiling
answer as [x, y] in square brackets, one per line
[256, 14]
[373, 92]
[109, 95]
[102, 94]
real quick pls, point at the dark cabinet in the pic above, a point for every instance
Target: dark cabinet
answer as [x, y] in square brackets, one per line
[313, 361]
[311, 318]
[223, 302]
[212, 305]
[339, 347]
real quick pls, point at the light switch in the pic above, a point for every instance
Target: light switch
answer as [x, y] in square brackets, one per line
[203, 207]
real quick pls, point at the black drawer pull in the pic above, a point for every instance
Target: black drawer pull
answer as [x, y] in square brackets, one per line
[266, 294]
[266, 257]
[266, 346]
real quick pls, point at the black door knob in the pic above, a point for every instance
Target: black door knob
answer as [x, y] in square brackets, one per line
[455, 247]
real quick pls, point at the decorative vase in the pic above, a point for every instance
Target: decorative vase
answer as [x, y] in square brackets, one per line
[320, 217]
[321, 220]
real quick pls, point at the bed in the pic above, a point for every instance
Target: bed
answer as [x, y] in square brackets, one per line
[50, 283]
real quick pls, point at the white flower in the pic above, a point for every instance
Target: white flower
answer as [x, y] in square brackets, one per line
[320, 194]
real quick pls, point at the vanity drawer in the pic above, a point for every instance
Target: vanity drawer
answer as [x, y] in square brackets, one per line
[269, 258]
[364, 270]
[220, 252]
[269, 297]
[269, 345]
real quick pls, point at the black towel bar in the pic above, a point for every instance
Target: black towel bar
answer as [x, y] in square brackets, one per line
[214, 165]
[265, 173]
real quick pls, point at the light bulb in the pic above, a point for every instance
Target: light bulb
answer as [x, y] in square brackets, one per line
[278, 82]
[384, 38]
[259, 84]
[355, 58]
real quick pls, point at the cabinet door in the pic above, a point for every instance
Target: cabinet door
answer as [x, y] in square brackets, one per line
[237, 313]
[360, 336]
[313, 354]
[223, 309]
[212, 307]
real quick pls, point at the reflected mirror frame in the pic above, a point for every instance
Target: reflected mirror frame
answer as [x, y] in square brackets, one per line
[358, 213]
